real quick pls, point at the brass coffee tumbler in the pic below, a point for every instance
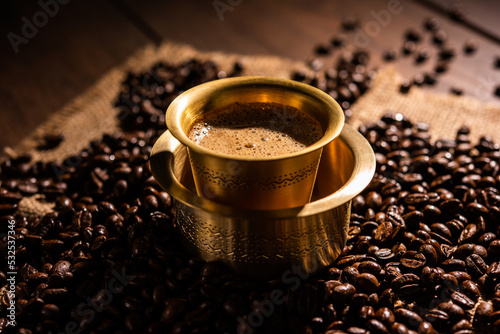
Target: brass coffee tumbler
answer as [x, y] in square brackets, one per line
[262, 244]
[264, 183]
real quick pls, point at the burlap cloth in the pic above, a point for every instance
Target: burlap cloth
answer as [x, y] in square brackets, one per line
[92, 114]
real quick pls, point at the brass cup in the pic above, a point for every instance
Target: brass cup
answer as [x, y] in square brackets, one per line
[267, 183]
[265, 244]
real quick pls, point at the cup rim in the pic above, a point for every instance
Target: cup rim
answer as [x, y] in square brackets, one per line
[205, 90]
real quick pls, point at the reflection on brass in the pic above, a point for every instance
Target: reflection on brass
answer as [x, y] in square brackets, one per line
[274, 182]
[269, 243]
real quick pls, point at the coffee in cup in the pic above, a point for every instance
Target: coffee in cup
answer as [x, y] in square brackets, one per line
[255, 130]
[232, 128]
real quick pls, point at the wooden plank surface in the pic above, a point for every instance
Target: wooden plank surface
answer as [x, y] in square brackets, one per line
[68, 54]
[85, 39]
[480, 16]
[293, 29]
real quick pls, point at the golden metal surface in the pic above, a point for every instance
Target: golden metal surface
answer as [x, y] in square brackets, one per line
[269, 243]
[275, 182]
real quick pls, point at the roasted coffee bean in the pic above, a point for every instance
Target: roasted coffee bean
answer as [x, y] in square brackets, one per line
[376, 326]
[383, 232]
[343, 292]
[441, 67]
[494, 248]
[174, 309]
[447, 53]
[425, 328]
[199, 315]
[448, 280]
[461, 325]
[356, 330]
[368, 282]
[430, 254]
[476, 265]
[373, 200]
[406, 284]
[391, 189]
[485, 239]
[399, 328]
[422, 56]
[349, 23]
[469, 234]
[405, 86]
[322, 50]
[431, 24]
[370, 267]
[416, 199]
[384, 255]
[366, 312]
[462, 300]
[412, 260]
[55, 295]
[350, 275]
[408, 47]
[463, 251]
[412, 35]
[385, 315]
[494, 270]
[471, 289]
[438, 318]
[454, 311]
[482, 314]
[389, 55]
[453, 265]
[407, 317]
[441, 229]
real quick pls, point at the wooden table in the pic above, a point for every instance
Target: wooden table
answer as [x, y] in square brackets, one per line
[76, 42]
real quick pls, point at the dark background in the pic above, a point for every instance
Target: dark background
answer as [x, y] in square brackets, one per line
[81, 40]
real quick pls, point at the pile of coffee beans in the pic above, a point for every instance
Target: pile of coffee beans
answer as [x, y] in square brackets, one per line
[145, 96]
[422, 256]
[345, 81]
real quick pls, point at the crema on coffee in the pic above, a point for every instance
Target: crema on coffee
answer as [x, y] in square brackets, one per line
[255, 130]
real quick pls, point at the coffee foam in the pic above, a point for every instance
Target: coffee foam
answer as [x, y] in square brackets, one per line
[255, 130]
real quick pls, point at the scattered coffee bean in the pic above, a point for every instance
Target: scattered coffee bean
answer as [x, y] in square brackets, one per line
[456, 91]
[470, 46]
[431, 24]
[52, 140]
[439, 37]
[408, 47]
[405, 86]
[322, 50]
[349, 23]
[497, 91]
[441, 67]
[457, 11]
[412, 35]
[430, 79]
[418, 79]
[422, 56]
[389, 55]
[338, 41]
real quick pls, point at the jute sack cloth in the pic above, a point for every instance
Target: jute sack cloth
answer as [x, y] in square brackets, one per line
[92, 114]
